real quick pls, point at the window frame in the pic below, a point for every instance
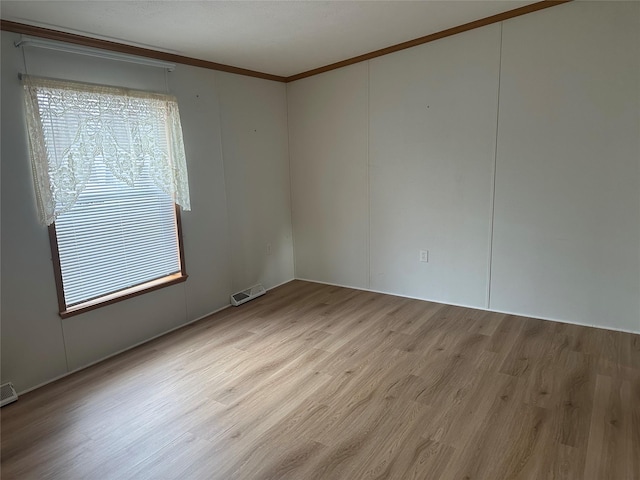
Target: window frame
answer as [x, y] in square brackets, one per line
[120, 295]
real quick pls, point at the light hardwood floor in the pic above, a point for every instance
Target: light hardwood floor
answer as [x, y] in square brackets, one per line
[318, 382]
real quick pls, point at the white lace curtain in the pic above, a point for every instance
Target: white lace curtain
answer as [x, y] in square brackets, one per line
[72, 125]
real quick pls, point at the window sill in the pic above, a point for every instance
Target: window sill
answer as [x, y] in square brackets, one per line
[124, 294]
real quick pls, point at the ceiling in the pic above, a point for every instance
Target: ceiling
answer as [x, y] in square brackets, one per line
[276, 37]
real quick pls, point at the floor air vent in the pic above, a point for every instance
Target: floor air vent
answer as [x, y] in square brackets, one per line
[246, 295]
[7, 394]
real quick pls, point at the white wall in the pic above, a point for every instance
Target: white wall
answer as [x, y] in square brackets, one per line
[256, 165]
[432, 120]
[555, 94]
[37, 345]
[328, 152]
[567, 210]
[393, 156]
[32, 343]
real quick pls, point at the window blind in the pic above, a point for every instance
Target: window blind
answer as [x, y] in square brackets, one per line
[116, 237]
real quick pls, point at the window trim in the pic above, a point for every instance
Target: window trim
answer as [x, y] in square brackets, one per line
[120, 295]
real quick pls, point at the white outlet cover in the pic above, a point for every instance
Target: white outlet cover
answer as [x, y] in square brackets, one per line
[424, 256]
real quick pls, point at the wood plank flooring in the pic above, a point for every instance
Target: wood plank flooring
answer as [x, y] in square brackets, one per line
[319, 382]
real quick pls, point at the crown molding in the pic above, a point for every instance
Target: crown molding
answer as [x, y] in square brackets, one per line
[534, 7]
[170, 57]
[129, 49]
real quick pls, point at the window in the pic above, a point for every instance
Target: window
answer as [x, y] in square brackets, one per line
[109, 171]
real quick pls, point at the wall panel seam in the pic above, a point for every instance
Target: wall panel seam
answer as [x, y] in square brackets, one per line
[493, 180]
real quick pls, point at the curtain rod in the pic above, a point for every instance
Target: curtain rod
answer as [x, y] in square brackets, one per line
[92, 52]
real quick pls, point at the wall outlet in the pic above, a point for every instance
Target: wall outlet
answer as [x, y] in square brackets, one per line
[424, 255]
[268, 249]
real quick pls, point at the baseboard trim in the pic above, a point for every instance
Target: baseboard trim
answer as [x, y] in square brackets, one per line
[95, 362]
[76, 370]
[505, 312]
[281, 283]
